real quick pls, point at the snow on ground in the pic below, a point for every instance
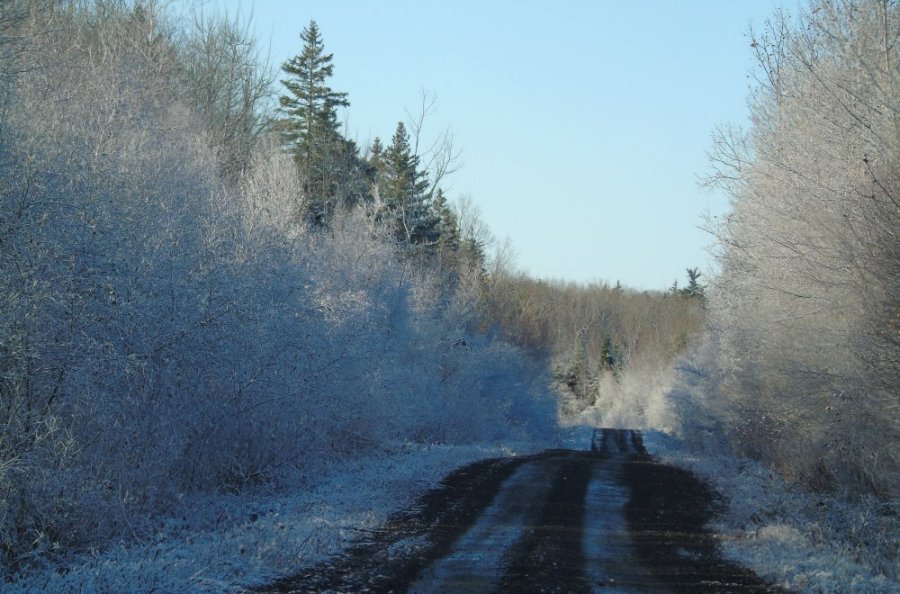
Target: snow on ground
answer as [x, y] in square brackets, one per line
[226, 543]
[804, 541]
[607, 549]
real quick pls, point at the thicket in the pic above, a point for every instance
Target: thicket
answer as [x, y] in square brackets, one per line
[176, 318]
[612, 349]
[805, 339]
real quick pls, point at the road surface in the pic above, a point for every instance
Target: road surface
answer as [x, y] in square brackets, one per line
[610, 519]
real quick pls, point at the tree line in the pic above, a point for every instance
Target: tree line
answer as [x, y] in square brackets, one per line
[601, 341]
[391, 182]
[583, 332]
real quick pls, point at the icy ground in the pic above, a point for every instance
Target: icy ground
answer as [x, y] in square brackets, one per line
[802, 541]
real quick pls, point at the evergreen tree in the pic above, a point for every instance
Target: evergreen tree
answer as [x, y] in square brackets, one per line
[577, 378]
[448, 225]
[694, 288]
[374, 169]
[403, 189]
[376, 155]
[310, 129]
[610, 359]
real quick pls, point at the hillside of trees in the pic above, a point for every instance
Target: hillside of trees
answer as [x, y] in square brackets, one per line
[203, 295]
[804, 348]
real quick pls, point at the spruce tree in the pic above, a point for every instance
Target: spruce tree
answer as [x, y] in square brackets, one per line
[610, 359]
[374, 169]
[376, 155]
[310, 129]
[694, 288]
[404, 192]
[448, 225]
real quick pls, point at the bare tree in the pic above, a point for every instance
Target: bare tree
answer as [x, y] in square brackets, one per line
[440, 157]
[227, 84]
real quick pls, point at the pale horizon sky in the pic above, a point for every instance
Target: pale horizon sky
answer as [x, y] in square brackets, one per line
[583, 126]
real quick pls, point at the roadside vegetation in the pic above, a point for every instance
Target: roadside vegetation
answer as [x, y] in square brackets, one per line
[208, 289]
[202, 295]
[612, 349]
[797, 377]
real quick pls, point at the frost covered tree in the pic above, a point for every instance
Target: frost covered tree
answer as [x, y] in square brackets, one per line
[168, 327]
[223, 81]
[805, 310]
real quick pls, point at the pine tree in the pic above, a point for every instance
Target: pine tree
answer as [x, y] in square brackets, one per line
[374, 170]
[610, 359]
[376, 155]
[576, 379]
[310, 129]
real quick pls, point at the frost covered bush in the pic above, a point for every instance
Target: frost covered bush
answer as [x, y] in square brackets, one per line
[169, 327]
[635, 398]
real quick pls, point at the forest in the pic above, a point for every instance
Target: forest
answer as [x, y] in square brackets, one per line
[208, 288]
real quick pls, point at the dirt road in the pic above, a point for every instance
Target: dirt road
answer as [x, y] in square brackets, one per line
[610, 519]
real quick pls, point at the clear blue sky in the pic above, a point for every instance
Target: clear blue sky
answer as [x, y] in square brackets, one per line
[583, 125]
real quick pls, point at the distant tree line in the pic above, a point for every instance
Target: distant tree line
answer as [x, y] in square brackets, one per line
[596, 331]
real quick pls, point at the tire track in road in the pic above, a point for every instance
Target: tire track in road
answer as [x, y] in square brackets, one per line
[611, 557]
[550, 557]
[500, 526]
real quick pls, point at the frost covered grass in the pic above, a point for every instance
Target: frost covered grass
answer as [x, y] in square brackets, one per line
[227, 543]
[804, 541]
